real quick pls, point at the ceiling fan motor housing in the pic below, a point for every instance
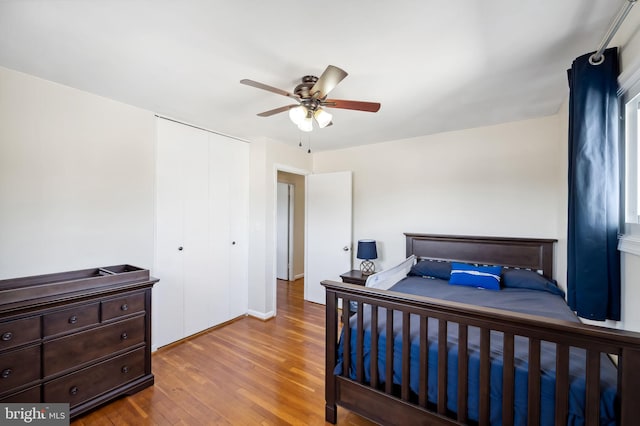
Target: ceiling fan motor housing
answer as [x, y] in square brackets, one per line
[303, 90]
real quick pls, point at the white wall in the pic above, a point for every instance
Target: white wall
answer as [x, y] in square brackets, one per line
[628, 39]
[76, 179]
[563, 194]
[499, 180]
[267, 157]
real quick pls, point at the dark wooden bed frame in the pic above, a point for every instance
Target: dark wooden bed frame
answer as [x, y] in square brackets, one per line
[387, 403]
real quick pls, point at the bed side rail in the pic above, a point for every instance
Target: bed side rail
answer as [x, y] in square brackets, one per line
[594, 340]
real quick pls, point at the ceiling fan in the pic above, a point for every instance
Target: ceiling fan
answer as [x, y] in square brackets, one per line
[311, 98]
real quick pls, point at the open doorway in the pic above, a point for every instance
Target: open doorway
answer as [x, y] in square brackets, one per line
[285, 222]
[290, 226]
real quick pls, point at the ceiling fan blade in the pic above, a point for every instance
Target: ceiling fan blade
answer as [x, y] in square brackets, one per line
[276, 111]
[328, 81]
[268, 88]
[356, 105]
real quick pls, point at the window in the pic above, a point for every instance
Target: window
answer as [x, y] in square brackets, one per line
[630, 111]
[632, 200]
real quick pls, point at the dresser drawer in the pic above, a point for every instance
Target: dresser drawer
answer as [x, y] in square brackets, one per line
[18, 332]
[126, 305]
[70, 319]
[90, 382]
[72, 351]
[31, 395]
[19, 367]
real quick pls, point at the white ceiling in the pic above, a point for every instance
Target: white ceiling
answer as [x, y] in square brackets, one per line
[434, 65]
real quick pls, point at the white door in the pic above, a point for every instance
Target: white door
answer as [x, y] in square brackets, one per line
[328, 224]
[199, 287]
[168, 299]
[284, 221]
[238, 288]
[228, 216]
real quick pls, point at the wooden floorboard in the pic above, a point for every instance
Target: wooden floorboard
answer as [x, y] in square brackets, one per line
[249, 372]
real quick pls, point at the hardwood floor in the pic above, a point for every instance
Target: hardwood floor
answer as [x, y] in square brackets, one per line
[249, 372]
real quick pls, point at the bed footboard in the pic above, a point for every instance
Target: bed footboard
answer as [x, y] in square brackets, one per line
[395, 402]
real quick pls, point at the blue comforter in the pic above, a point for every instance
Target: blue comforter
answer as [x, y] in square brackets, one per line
[513, 299]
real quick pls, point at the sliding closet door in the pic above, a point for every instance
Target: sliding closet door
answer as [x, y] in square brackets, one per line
[220, 211]
[168, 298]
[238, 172]
[199, 288]
[201, 231]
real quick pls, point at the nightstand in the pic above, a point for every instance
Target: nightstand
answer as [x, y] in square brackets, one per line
[354, 276]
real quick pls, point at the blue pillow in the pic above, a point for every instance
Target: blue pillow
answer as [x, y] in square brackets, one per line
[487, 277]
[431, 268]
[524, 278]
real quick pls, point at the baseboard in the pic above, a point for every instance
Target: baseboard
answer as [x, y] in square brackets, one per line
[261, 315]
[297, 277]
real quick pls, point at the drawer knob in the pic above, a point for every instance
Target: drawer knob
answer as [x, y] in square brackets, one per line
[7, 336]
[124, 307]
[124, 336]
[74, 390]
[6, 373]
[125, 369]
[73, 319]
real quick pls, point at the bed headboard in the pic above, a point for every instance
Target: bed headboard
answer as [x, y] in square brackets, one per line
[529, 253]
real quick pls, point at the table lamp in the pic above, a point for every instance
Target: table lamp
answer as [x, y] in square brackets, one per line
[367, 251]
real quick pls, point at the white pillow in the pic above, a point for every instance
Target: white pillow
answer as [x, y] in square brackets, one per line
[385, 279]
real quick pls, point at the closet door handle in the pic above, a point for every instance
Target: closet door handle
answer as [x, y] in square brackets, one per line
[180, 248]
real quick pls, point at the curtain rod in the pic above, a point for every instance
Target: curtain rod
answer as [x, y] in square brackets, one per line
[597, 58]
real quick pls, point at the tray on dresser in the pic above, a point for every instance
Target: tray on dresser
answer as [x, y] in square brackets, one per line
[16, 292]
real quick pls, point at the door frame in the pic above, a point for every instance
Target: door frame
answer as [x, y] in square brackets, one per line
[274, 280]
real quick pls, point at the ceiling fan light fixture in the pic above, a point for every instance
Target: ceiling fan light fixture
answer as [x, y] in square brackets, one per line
[306, 125]
[311, 95]
[298, 114]
[322, 117]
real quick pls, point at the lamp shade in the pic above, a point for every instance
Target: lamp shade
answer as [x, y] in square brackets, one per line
[367, 249]
[306, 125]
[322, 117]
[298, 114]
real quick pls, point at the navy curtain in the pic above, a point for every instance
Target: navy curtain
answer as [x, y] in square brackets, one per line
[593, 263]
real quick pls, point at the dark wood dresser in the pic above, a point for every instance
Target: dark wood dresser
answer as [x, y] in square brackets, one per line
[81, 337]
